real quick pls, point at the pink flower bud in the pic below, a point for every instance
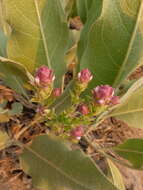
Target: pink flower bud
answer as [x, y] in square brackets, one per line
[103, 94]
[44, 76]
[57, 92]
[83, 109]
[84, 76]
[77, 132]
[114, 100]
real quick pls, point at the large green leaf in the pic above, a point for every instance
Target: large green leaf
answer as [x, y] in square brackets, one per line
[39, 35]
[115, 43]
[116, 175]
[132, 150]
[14, 75]
[53, 166]
[131, 108]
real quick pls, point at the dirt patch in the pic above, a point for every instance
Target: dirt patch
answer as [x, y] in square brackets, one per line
[110, 133]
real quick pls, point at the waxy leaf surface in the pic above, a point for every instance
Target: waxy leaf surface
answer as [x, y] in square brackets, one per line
[116, 175]
[14, 75]
[114, 44]
[131, 108]
[53, 166]
[39, 34]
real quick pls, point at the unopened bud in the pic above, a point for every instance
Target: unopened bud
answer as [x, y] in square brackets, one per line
[44, 76]
[77, 132]
[83, 109]
[57, 92]
[84, 76]
[103, 94]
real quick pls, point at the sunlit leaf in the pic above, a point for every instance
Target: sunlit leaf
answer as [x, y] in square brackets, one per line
[39, 34]
[114, 47]
[116, 175]
[130, 110]
[14, 75]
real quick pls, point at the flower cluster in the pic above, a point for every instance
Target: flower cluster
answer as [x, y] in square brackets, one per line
[103, 96]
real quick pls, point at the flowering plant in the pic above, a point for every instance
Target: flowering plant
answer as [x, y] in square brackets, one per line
[68, 62]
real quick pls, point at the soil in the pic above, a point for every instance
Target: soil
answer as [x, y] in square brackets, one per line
[110, 133]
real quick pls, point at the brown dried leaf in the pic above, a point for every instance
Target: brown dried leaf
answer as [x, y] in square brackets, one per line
[4, 118]
[6, 94]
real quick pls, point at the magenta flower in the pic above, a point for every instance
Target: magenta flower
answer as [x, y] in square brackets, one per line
[77, 132]
[104, 95]
[103, 92]
[57, 92]
[44, 76]
[83, 109]
[84, 76]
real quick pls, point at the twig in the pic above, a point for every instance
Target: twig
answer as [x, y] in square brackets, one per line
[17, 136]
[102, 151]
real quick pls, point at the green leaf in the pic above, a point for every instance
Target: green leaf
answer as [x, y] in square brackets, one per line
[117, 177]
[17, 108]
[3, 43]
[54, 166]
[40, 34]
[130, 110]
[4, 140]
[115, 42]
[68, 6]
[132, 150]
[83, 7]
[3, 23]
[93, 15]
[14, 75]
[64, 3]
